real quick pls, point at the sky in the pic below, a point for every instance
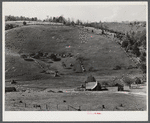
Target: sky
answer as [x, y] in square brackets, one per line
[85, 11]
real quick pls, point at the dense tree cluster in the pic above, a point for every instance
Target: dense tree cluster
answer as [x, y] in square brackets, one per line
[21, 18]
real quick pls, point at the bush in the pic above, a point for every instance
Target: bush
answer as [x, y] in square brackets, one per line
[143, 68]
[23, 56]
[124, 44]
[142, 58]
[135, 50]
[53, 56]
[137, 81]
[117, 67]
[9, 26]
[24, 23]
[128, 81]
[144, 53]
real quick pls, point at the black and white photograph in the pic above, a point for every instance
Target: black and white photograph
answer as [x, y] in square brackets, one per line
[75, 61]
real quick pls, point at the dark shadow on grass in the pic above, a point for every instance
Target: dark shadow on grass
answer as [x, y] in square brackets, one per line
[104, 89]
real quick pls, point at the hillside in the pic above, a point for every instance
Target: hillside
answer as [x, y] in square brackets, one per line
[99, 53]
[123, 27]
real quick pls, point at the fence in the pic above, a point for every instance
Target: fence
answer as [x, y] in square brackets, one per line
[46, 107]
[67, 107]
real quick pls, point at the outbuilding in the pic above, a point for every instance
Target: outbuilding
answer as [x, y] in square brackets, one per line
[92, 86]
[10, 89]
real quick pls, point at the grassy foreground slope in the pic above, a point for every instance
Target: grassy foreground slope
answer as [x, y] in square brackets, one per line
[99, 52]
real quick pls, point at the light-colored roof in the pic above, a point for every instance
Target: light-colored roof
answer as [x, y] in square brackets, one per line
[91, 85]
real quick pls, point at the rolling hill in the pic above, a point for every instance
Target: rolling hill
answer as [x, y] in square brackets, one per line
[100, 53]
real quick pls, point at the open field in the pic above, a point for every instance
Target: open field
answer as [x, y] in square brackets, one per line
[100, 53]
[88, 101]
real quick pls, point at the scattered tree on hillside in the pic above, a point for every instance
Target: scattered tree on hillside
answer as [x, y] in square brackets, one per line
[50, 19]
[128, 81]
[142, 57]
[124, 44]
[144, 44]
[72, 23]
[24, 23]
[135, 50]
[143, 68]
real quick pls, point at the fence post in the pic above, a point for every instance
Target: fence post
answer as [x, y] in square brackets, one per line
[68, 107]
[46, 107]
[79, 108]
[103, 107]
[57, 106]
[25, 104]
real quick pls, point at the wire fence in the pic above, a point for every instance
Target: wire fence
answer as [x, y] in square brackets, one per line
[67, 107]
[46, 107]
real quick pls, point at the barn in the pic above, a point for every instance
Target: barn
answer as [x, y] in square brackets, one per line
[92, 86]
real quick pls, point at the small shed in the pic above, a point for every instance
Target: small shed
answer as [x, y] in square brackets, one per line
[112, 89]
[120, 87]
[10, 89]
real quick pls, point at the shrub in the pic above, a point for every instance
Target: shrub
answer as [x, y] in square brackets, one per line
[144, 53]
[117, 67]
[143, 68]
[124, 44]
[128, 81]
[129, 47]
[24, 23]
[136, 50]
[9, 26]
[23, 56]
[142, 58]
[53, 56]
[137, 81]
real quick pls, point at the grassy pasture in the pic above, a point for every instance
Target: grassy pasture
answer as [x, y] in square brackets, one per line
[99, 52]
[123, 27]
[87, 101]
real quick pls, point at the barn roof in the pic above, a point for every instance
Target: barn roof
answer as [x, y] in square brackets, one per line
[91, 85]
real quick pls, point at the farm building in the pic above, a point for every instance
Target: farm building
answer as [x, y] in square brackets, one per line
[92, 86]
[10, 89]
